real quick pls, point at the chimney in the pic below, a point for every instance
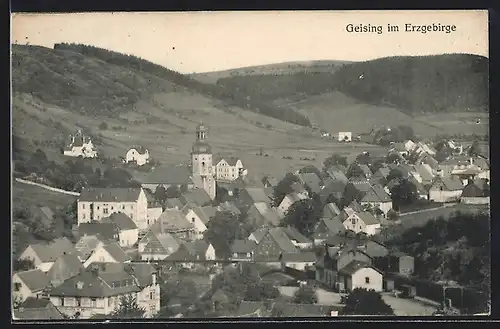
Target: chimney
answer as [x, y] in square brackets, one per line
[79, 285]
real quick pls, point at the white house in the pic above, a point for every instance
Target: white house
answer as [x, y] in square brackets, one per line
[298, 260]
[363, 222]
[157, 246]
[137, 154]
[128, 233]
[95, 204]
[344, 136]
[199, 217]
[110, 253]
[28, 284]
[44, 255]
[446, 189]
[80, 145]
[361, 275]
[377, 197]
[228, 169]
[288, 201]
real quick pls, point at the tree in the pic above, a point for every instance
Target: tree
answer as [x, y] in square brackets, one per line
[221, 231]
[128, 308]
[365, 302]
[183, 289]
[376, 165]
[406, 132]
[173, 191]
[355, 171]
[283, 188]
[303, 216]
[364, 159]
[392, 158]
[474, 149]
[116, 177]
[160, 194]
[335, 160]
[305, 295]
[394, 173]
[103, 126]
[24, 264]
[404, 193]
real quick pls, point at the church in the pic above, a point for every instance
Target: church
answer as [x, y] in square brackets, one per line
[203, 173]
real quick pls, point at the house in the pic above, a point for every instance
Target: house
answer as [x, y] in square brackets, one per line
[157, 246]
[199, 217]
[376, 197]
[426, 173]
[65, 267]
[311, 182]
[99, 289]
[333, 188]
[297, 238]
[401, 263]
[298, 260]
[109, 253]
[327, 227]
[195, 197]
[44, 255]
[363, 222]
[288, 201]
[272, 245]
[173, 203]
[343, 136]
[191, 253]
[400, 148]
[445, 189]
[333, 260]
[269, 181]
[373, 248]
[358, 274]
[138, 155]
[330, 210]
[37, 309]
[155, 208]
[250, 195]
[28, 284]
[475, 193]
[229, 206]
[107, 231]
[263, 215]
[258, 234]
[79, 145]
[128, 233]
[179, 176]
[95, 204]
[366, 170]
[173, 221]
[422, 192]
[87, 244]
[380, 175]
[228, 169]
[243, 250]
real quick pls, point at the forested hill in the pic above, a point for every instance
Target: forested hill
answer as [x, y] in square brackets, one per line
[229, 97]
[454, 83]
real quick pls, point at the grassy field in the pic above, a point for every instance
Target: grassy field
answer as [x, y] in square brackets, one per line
[37, 196]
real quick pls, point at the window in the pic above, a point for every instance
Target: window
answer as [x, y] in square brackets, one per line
[192, 219]
[367, 280]
[97, 207]
[105, 210]
[440, 188]
[62, 301]
[123, 207]
[152, 294]
[78, 301]
[93, 302]
[83, 206]
[17, 286]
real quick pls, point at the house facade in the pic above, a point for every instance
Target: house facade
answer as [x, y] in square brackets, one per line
[157, 246]
[28, 284]
[287, 202]
[272, 245]
[445, 189]
[95, 204]
[80, 145]
[110, 253]
[474, 194]
[361, 275]
[344, 136]
[128, 232]
[44, 255]
[138, 155]
[363, 222]
[243, 250]
[228, 169]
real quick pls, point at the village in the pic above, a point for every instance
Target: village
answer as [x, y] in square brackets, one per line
[201, 241]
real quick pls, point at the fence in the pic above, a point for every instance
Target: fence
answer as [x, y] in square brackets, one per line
[50, 188]
[461, 297]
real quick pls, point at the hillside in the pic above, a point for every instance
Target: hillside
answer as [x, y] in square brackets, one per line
[55, 92]
[285, 68]
[414, 85]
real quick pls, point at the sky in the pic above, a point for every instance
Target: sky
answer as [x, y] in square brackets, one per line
[194, 42]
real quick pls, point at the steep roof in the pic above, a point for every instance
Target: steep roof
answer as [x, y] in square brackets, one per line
[37, 309]
[423, 172]
[50, 252]
[189, 251]
[111, 271]
[337, 174]
[197, 196]
[333, 224]
[257, 194]
[205, 213]
[35, 280]
[368, 218]
[86, 244]
[122, 221]
[139, 148]
[172, 175]
[106, 230]
[282, 239]
[174, 203]
[294, 197]
[230, 207]
[450, 183]
[330, 210]
[260, 233]
[173, 219]
[298, 188]
[366, 170]
[117, 252]
[243, 246]
[297, 257]
[230, 160]
[354, 266]
[167, 241]
[110, 194]
[64, 267]
[294, 234]
[376, 193]
[472, 190]
[312, 181]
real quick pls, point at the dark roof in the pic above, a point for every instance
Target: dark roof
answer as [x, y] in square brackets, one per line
[283, 241]
[110, 194]
[122, 221]
[260, 233]
[201, 148]
[230, 160]
[297, 257]
[117, 252]
[376, 194]
[105, 230]
[173, 175]
[35, 280]
[65, 267]
[205, 213]
[139, 148]
[354, 266]
[294, 234]
[50, 252]
[174, 203]
[312, 181]
[172, 220]
[243, 246]
[368, 218]
[473, 191]
[330, 210]
[197, 196]
[140, 271]
[450, 183]
[333, 225]
[86, 244]
[190, 251]
[37, 309]
[257, 194]
[298, 188]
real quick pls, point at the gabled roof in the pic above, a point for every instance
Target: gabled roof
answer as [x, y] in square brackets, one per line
[282, 239]
[294, 234]
[298, 188]
[297, 257]
[337, 174]
[260, 233]
[424, 173]
[366, 170]
[37, 309]
[167, 241]
[333, 225]
[312, 181]
[354, 205]
[106, 230]
[376, 194]
[472, 190]
[172, 175]
[269, 214]
[257, 194]
[172, 220]
[383, 172]
[330, 210]
[174, 203]
[295, 197]
[368, 218]
[110, 194]
[230, 160]
[205, 213]
[450, 183]
[117, 252]
[50, 252]
[86, 244]
[65, 267]
[230, 207]
[243, 246]
[35, 280]
[190, 251]
[354, 266]
[139, 148]
[110, 272]
[120, 220]
[197, 196]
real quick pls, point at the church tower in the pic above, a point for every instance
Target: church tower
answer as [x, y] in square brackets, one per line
[201, 163]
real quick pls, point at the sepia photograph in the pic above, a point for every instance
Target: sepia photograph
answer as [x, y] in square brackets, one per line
[250, 164]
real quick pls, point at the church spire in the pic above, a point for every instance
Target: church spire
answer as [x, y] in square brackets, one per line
[201, 132]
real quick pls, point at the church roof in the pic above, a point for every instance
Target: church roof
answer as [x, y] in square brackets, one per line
[201, 148]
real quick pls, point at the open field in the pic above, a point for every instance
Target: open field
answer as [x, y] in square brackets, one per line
[34, 195]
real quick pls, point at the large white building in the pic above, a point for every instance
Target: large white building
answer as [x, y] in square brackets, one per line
[203, 174]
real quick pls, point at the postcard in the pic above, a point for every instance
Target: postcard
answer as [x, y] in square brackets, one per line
[266, 164]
